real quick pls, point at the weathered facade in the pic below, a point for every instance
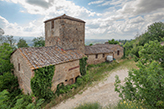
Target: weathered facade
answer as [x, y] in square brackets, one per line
[26, 60]
[66, 32]
[97, 55]
[118, 51]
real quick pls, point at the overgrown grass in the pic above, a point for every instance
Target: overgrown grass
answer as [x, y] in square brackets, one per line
[120, 105]
[89, 106]
[94, 73]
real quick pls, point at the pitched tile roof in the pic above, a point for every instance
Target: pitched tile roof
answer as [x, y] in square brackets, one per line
[109, 46]
[96, 50]
[65, 17]
[44, 56]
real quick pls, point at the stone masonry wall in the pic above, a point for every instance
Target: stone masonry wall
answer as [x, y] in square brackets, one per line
[117, 49]
[24, 74]
[67, 34]
[73, 36]
[93, 60]
[65, 73]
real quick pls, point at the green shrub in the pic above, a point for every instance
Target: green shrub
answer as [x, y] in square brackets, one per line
[10, 83]
[42, 81]
[126, 105]
[83, 67]
[5, 52]
[22, 101]
[89, 106]
[79, 81]
[4, 98]
[61, 88]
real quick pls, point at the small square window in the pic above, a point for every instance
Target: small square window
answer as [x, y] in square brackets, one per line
[96, 56]
[103, 55]
[18, 66]
[118, 52]
[52, 24]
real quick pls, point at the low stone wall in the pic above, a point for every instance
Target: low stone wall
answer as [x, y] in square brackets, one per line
[65, 73]
[93, 60]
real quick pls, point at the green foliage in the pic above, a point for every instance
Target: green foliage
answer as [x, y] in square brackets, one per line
[90, 44]
[42, 81]
[35, 105]
[113, 41]
[22, 43]
[39, 42]
[62, 89]
[23, 102]
[146, 83]
[126, 105]
[9, 82]
[89, 106]
[79, 81]
[5, 51]
[8, 39]
[83, 63]
[154, 32]
[4, 99]
[152, 51]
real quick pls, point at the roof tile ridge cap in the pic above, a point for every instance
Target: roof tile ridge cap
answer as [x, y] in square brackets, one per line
[32, 67]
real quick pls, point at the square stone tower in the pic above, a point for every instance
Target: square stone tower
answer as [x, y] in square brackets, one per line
[66, 32]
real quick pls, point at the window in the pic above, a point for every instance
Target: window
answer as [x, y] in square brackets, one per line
[118, 52]
[96, 56]
[65, 80]
[103, 55]
[18, 66]
[52, 24]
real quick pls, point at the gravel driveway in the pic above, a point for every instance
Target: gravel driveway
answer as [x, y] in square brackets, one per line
[102, 92]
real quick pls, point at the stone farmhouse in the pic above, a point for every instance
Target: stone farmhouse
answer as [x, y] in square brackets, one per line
[64, 46]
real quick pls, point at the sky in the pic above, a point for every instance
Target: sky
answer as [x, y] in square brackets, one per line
[105, 19]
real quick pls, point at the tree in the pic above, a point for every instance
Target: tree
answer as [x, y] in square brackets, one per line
[113, 41]
[39, 42]
[22, 43]
[8, 39]
[90, 44]
[156, 31]
[5, 52]
[1, 32]
[145, 84]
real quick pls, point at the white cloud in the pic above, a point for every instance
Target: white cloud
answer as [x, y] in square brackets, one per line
[124, 22]
[96, 2]
[32, 29]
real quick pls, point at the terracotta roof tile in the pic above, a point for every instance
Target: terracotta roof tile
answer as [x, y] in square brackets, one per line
[65, 17]
[96, 50]
[51, 55]
[106, 45]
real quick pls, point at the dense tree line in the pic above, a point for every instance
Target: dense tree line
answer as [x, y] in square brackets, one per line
[154, 32]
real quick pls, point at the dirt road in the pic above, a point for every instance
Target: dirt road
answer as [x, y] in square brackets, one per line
[102, 92]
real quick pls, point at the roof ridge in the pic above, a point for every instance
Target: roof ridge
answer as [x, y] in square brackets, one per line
[64, 16]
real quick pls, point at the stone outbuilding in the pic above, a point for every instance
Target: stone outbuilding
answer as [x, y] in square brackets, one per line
[97, 55]
[26, 60]
[118, 51]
